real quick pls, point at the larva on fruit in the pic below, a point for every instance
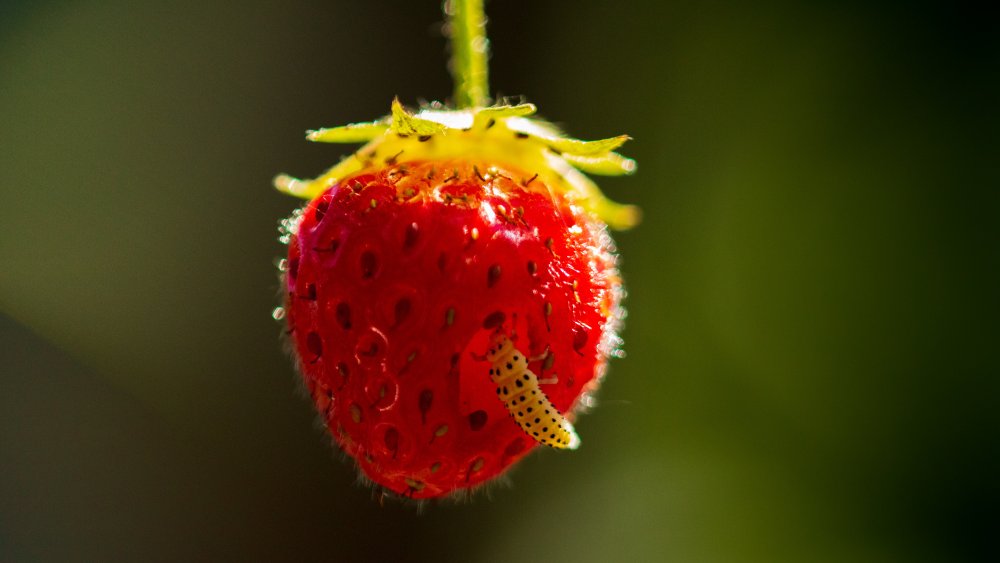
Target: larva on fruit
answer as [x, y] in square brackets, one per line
[517, 387]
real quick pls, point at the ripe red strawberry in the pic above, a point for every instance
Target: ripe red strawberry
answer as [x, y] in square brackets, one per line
[396, 278]
[449, 232]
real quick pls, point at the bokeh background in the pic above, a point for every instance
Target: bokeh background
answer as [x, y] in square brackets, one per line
[812, 340]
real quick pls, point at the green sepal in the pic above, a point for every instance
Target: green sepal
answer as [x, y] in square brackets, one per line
[567, 145]
[610, 164]
[405, 124]
[560, 143]
[484, 115]
[353, 133]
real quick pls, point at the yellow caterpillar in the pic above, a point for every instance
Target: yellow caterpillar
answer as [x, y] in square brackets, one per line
[518, 388]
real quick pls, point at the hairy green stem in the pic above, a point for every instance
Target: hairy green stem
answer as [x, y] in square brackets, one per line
[469, 52]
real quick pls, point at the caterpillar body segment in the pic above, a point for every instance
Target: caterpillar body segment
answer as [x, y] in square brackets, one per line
[518, 388]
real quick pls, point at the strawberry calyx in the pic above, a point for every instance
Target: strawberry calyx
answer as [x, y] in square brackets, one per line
[503, 133]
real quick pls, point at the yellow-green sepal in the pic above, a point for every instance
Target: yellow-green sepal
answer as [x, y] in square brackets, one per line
[567, 145]
[484, 116]
[616, 215]
[308, 189]
[403, 123]
[609, 164]
[353, 133]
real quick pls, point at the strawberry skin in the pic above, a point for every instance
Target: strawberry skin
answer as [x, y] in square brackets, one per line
[397, 276]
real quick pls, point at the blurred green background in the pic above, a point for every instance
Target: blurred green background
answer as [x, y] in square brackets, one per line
[812, 345]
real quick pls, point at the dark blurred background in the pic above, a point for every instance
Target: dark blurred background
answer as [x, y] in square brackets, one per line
[812, 346]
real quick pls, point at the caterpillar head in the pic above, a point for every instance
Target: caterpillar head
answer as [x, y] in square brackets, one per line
[500, 346]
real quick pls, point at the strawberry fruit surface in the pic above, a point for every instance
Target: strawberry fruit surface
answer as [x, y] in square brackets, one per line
[396, 277]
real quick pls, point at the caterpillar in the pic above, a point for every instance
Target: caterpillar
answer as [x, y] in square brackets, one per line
[518, 388]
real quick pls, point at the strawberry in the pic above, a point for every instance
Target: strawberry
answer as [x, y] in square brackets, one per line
[455, 245]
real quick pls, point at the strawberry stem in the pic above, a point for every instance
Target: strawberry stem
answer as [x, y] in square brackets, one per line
[469, 52]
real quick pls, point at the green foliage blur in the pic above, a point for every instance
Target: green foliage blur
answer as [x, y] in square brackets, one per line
[812, 341]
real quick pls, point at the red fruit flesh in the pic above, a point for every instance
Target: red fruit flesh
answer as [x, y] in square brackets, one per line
[396, 278]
